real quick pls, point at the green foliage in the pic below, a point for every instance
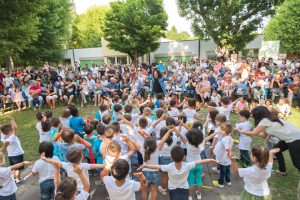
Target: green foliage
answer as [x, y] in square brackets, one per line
[54, 32]
[229, 23]
[18, 26]
[284, 26]
[87, 29]
[135, 26]
[173, 34]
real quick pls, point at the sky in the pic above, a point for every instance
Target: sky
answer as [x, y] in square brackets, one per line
[174, 19]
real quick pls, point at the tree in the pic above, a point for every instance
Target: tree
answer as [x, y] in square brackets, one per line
[54, 32]
[284, 26]
[230, 24]
[18, 27]
[173, 34]
[135, 26]
[87, 29]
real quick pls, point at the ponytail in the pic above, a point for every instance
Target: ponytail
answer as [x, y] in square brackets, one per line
[66, 189]
[261, 154]
[150, 147]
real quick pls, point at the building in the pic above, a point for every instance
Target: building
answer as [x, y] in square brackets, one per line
[169, 49]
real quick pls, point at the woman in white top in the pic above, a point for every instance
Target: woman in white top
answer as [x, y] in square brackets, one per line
[288, 134]
[256, 176]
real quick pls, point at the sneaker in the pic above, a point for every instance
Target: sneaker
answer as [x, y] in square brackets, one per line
[280, 173]
[198, 195]
[215, 169]
[217, 184]
[162, 191]
[228, 183]
[99, 182]
[190, 198]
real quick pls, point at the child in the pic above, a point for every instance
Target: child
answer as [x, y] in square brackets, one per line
[244, 140]
[222, 152]
[210, 123]
[173, 111]
[254, 103]
[45, 133]
[283, 108]
[56, 126]
[8, 187]
[96, 147]
[18, 98]
[256, 176]
[45, 171]
[39, 117]
[65, 118]
[159, 123]
[190, 112]
[89, 137]
[117, 111]
[76, 123]
[178, 172]
[12, 144]
[121, 188]
[240, 104]
[225, 108]
[102, 111]
[215, 97]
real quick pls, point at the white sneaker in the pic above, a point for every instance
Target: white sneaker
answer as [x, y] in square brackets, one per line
[215, 169]
[228, 183]
[198, 195]
[162, 191]
[190, 198]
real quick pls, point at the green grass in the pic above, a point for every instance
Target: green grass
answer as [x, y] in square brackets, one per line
[282, 187]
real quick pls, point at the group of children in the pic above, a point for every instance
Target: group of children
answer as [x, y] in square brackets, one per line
[145, 146]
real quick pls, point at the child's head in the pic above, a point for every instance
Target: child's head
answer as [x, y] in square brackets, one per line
[88, 129]
[260, 156]
[242, 99]
[102, 107]
[143, 122]
[170, 122]
[183, 118]
[268, 102]
[147, 112]
[173, 103]
[212, 115]
[118, 108]
[150, 147]
[94, 123]
[212, 104]
[163, 132]
[120, 169]
[100, 129]
[55, 121]
[47, 148]
[49, 114]
[116, 98]
[74, 111]
[177, 154]
[7, 129]
[114, 149]
[46, 125]
[255, 102]
[39, 116]
[226, 127]
[220, 119]
[106, 119]
[65, 113]
[192, 102]
[225, 101]
[128, 117]
[128, 109]
[159, 113]
[75, 155]
[135, 102]
[282, 101]
[197, 125]
[67, 189]
[159, 96]
[214, 93]
[110, 132]
[195, 137]
[68, 135]
[117, 127]
[244, 115]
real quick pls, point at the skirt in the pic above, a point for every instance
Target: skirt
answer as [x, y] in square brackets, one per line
[247, 196]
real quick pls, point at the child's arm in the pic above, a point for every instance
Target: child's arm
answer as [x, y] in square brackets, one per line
[48, 160]
[82, 141]
[22, 164]
[4, 147]
[130, 145]
[163, 140]
[164, 116]
[272, 153]
[234, 166]
[158, 167]
[96, 166]
[122, 118]
[13, 124]
[136, 145]
[142, 180]
[206, 161]
[210, 137]
[84, 180]
[180, 136]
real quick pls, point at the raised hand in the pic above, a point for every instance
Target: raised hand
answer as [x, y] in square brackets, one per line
[77, 170]
[274, 151]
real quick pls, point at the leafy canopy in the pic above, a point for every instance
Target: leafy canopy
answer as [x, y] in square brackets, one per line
[173, 34]
[285, 25]
[229, 23]
[135, 26]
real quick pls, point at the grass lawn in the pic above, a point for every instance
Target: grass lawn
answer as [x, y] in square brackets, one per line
[282, 187]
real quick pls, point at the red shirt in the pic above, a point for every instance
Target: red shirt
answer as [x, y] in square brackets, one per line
[36, 88]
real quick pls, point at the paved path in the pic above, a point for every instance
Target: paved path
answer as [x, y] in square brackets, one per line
[30, 189]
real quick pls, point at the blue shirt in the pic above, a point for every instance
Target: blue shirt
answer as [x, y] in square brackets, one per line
[65, 148]
[97, 152]
[76, 123]
[161, 68]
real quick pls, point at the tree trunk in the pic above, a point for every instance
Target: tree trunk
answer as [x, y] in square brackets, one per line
[134, 60]
[10, 65]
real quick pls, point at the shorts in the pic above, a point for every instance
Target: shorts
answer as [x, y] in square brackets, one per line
[195, 176]
[152, 177]
[247, 196]
[15, 160]
[10, 197]
[51, 97]
[164, 160]
[179, 194]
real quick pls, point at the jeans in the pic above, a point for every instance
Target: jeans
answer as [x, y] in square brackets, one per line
[245, 157]
[47, 190]
[40, 99]
[294, 149]
[11, 197]
[179, 194]
[224, 174]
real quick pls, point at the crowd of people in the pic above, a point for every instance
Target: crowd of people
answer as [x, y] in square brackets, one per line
[149, 133]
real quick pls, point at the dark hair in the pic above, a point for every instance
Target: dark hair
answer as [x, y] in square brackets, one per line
[212, 114]
[49, 114]
[177, 154]
[106, 119]
[255, 101]
[128, 109]
[117, 107]
[159, 113]
[68, 135]
[212, 104]
[117, 126]
[221, 118]
[109, 131]
[261, 112]
[245, 113]
[74, 155]
[46, 125]
[170, 121]
[55, 121]
[116, 98]
[141, 108]
[100, 129]
[88, 128]
[66, 189]
[143, 122]
[6, 129]
[128, 116]
[195, 137]
[120, 169]
[225, 100]
[150, 147]
[163, 132]
[39, 116]
[74, 111]
[197, 125]
[65, 113]
[103, 107]
[159, 96]
[158, 73]
[192, 102]
[227, 127]
[172, 102]
[47, 148]
[261, 154]
[182, 117]
[94, 123]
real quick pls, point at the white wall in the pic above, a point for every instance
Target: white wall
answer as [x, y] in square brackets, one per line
[84, 54]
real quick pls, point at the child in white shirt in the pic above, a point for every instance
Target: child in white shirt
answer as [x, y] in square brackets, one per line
[225, 108]
[190, 112]
[173, 111]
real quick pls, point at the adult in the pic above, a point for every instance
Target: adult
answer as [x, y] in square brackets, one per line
[269, 125]
[161, 67]
[203, 88]
[51, 97]
[35, 92]
[157, 85]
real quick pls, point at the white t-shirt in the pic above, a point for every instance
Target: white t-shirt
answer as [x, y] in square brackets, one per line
[256, 179]
[95, 70]
[190, 114]
[183, 133]
[153, 159]
[193, 153]
[82, 196]
[225, 111]
[127, 130]
[14, 148]
[244, 140]
[69, 169]
[157, 128]
[221, 150]
[7, 183]
[166, 150]
[178, 177]
[174, 113]
[287, 132]
[45, 170]
[124, 192]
